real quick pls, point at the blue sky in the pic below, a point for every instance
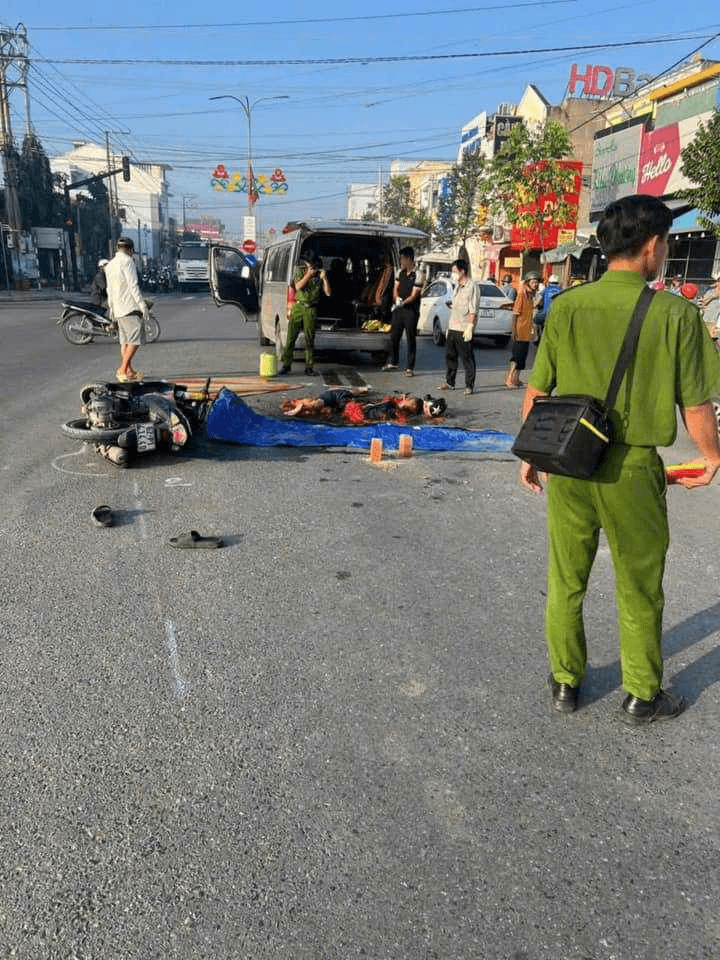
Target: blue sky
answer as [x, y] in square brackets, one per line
[341, 123]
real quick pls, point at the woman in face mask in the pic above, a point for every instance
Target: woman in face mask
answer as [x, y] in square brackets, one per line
[461, 326]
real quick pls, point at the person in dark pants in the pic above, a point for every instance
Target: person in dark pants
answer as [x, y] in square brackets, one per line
[458, 342]
[523, 330]
[675, 366]
[406, 313]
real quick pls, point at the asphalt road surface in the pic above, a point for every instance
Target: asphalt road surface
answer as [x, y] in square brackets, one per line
[333, 737]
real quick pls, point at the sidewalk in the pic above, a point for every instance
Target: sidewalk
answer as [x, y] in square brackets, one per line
[26, 296]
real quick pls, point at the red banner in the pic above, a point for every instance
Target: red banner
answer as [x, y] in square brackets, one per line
[543, 234]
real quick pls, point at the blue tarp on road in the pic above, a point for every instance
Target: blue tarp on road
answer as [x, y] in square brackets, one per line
[233, 420]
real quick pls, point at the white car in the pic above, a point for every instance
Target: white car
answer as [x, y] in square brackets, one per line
[494, 318]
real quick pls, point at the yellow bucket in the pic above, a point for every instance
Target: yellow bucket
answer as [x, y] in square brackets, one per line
[268, 365]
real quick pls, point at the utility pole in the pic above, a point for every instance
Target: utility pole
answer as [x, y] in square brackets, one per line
[112, 188]
[13, 75]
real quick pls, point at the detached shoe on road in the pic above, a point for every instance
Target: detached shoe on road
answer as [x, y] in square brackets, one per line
[663, 706]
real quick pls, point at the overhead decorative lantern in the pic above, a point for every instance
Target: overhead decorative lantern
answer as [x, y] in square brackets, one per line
[254, 184]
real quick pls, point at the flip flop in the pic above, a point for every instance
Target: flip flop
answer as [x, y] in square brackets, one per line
[102, 516]
[193, 541]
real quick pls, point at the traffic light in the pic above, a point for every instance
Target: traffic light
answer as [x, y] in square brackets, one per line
[126, 168]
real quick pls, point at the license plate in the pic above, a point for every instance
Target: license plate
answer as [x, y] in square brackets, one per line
[145, 437]
[487, 314]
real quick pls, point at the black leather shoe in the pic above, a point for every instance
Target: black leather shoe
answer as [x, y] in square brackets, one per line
[285, 368]
[564, 697]
[663, 706]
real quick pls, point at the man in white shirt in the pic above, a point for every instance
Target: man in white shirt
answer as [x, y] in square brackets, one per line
[126, 306]
[458, 342]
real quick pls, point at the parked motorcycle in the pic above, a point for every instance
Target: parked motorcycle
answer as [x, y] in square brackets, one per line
[82, 322]
[125, 419]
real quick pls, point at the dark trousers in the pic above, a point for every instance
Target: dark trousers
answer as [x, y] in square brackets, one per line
[456, 346]
[519, 354]
[407, 320]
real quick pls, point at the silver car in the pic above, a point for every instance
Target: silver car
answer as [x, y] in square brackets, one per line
[494, 319]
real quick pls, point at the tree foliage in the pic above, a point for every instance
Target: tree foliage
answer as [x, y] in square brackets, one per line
[528, 167]
[40, 203]
[700, 163]
[90, 218]
[462, 207]
[397, 207]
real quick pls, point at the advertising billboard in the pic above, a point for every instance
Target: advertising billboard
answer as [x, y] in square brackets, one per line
[615, 165]
[659, 165]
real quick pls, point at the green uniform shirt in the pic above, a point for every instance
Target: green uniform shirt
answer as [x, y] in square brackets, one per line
[310, 293]
[675, 360]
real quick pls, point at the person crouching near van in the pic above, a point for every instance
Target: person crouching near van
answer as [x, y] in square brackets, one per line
[310, 280]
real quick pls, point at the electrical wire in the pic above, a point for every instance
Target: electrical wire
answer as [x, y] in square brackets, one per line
[365, 61]
[316, 20]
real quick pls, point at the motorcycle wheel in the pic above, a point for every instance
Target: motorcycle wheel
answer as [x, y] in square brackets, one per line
[152, 329]
[77, 330]
[79, 430]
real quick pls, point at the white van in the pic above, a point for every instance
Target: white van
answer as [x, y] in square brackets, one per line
[353, 254]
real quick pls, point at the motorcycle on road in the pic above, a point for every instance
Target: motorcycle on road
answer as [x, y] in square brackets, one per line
[125, 419]
[82, 322]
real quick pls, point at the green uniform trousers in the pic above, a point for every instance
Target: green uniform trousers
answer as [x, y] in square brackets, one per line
[302, 317]
[626, 498]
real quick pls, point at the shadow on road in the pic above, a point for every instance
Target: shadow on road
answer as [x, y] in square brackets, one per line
[690, 681]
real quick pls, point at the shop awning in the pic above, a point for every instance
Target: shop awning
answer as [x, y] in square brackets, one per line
[565, 250]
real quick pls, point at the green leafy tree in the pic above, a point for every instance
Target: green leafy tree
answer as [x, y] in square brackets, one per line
[527, 167]
[397, 207]
[41, 205]
[90, 219]
[700, 163]
[463, 205]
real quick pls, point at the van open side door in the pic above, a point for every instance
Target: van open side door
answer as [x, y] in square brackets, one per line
[232, 277]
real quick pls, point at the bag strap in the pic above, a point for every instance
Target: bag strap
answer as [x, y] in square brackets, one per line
[629, 343]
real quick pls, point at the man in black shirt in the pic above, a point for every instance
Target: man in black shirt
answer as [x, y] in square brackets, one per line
[406, 312]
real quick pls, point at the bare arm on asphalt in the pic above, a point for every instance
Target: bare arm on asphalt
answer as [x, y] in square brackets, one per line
[702, 427]
[529, 476]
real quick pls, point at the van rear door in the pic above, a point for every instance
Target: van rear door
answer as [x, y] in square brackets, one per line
[232, 279]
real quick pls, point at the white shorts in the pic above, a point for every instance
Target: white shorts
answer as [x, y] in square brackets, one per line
[132, 329]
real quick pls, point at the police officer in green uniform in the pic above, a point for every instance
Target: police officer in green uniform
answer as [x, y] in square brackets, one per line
[675, 364]
[310, 280]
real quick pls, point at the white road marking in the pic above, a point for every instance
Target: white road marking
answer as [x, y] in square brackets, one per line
[173, 656]
[141, 511]
[73, 473]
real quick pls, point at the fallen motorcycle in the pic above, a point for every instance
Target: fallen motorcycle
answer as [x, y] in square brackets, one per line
[125, 419]
[82, 322]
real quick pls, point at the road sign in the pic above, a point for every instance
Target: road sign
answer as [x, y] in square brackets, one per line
[249, 246]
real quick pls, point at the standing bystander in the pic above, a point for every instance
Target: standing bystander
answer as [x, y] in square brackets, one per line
[126, 306]
[523, 329]
[461, 326]
[675, 363]
[406, 314]
[507, 287]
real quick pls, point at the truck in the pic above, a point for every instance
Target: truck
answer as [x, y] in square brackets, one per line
[192, 265]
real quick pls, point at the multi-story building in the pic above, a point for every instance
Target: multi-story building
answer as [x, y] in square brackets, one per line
[141, 204]
[640, 151]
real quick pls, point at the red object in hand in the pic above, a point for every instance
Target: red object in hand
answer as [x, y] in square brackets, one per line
[679, 471]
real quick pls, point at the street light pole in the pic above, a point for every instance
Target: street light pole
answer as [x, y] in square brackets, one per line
[247, 108]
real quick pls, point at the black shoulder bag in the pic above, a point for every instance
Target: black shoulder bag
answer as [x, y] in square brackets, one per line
[571, 435]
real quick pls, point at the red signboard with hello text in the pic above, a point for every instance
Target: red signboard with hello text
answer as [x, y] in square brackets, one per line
[659, 154]
[543, 235]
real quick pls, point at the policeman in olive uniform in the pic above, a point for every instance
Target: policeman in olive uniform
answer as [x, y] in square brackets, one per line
[675, 364]
[310, 280]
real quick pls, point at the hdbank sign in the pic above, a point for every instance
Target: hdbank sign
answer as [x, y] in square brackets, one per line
[615, 165]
